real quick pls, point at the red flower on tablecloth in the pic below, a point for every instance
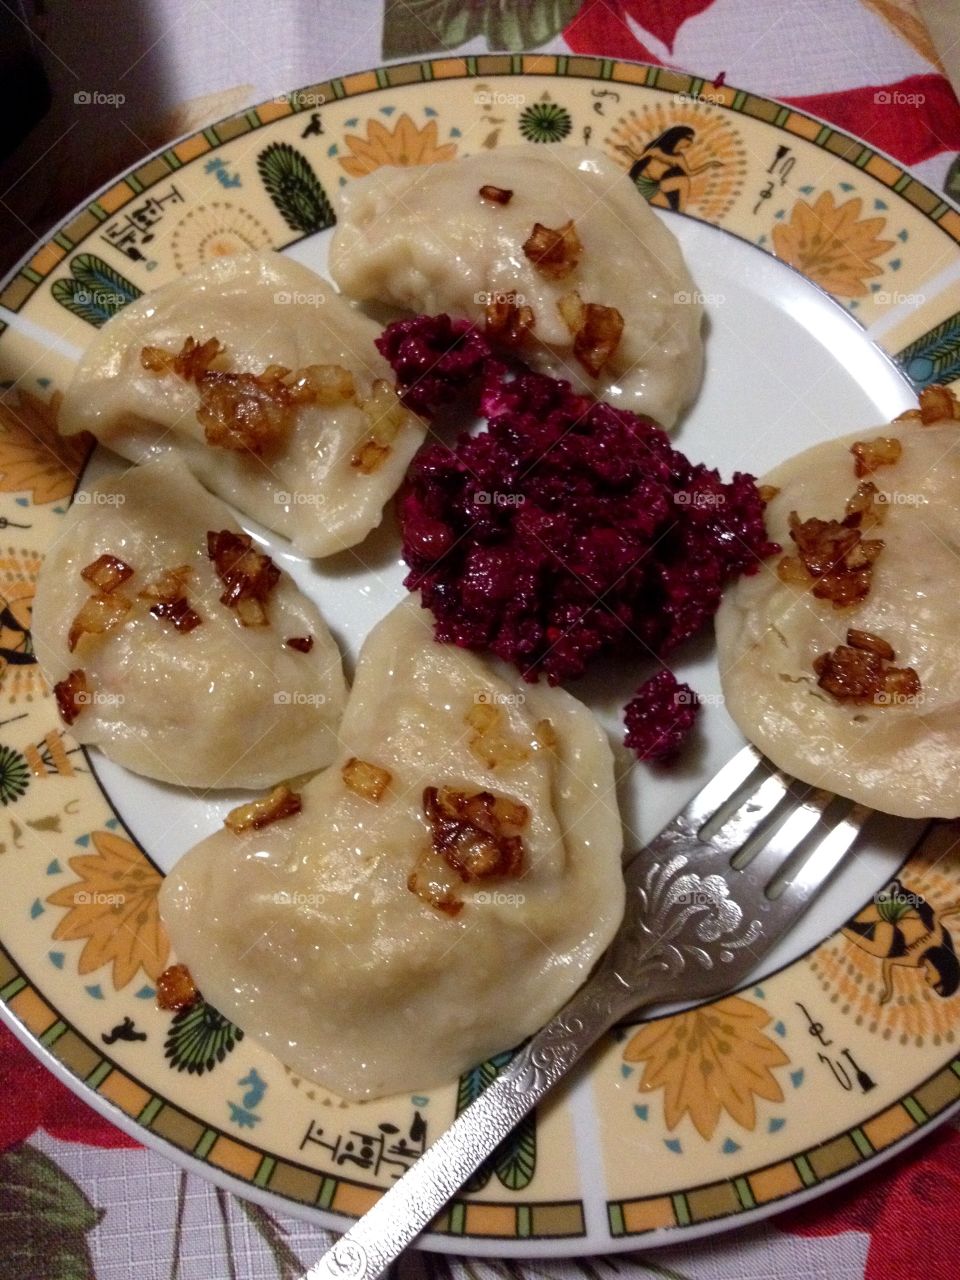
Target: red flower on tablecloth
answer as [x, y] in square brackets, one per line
[31, 1098]
[913, 120]
[603, 26]
[910, 1210]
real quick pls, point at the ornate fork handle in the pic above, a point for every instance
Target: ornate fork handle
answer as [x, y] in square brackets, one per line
[661, 941]
[404, 1211]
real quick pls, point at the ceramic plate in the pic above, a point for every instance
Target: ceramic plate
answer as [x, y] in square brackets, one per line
[829, 275]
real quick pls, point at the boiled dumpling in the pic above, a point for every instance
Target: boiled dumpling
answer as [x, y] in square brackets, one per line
[431, 241]
[163, 676]
[862, 698]
[345, 938]
[313, 454]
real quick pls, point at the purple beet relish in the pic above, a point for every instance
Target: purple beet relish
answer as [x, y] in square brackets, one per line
[660, 716]
[434, 359]
[566, 528]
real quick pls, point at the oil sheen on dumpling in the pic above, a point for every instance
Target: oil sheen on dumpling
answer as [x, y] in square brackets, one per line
[220, 705]
[901, 756]
[265, 310]
[307, 934]
[424, 239]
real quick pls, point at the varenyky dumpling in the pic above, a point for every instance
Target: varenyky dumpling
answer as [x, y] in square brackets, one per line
[861, 698]
[445, 888]
[552, 248]
[268, 386]
[174, 644]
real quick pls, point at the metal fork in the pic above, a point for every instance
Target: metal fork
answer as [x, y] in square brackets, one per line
[706, 900]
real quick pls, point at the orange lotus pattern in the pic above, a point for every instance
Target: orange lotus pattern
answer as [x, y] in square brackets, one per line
[34, 457]
[114, 906]
[405, 144]
[708, 1062]
[832, 245]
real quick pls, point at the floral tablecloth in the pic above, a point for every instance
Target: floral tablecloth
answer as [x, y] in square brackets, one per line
[77, 1197]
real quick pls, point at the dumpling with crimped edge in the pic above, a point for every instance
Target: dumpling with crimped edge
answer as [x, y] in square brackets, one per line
[269, 387]
[447, 885]
[551, 249]
[150, 664]
[841, 659]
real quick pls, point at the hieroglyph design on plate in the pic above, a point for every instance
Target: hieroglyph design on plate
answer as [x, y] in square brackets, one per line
[134, 232]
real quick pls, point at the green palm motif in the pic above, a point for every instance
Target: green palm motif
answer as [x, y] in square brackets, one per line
[545, 122]
[14, 775]
[295, 189]
[199, 1038]
[94, 291]
[935, 357]
[515, 1160]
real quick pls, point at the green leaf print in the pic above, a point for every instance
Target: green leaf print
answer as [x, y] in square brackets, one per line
[295, 189]
[44, 1219]
[515, 1160]
[413, 27]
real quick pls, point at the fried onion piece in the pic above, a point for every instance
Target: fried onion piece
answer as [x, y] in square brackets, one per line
[189, 363]
[868, 503]
[497, 195]
[106, 573]
[489, 742]
[477, 834]
[834, 559]
[179, 612]
[72, 695]
[168, 591]
[249, 412]
[302, 644]
[387, 416]
[98, 614]
[870, 455]
[280, 803]
[555, 253]
[860, 673]
[507, 321]
[365, 779]
[176, 989]
[937, 404]
[596, 330]
[248, 575]
[870, 643]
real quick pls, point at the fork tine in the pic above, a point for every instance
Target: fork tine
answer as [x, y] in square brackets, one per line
[823, 859]
[751, 886]
[720, 788]
[773, 854]
[752, 813]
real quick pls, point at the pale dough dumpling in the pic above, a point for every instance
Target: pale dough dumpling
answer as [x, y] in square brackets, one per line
[208, 703]
[335, 936]
[324, 480]
[900, 751]
[425, 239]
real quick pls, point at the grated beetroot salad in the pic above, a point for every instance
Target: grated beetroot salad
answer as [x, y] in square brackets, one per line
[659, 717]
[567, 527]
